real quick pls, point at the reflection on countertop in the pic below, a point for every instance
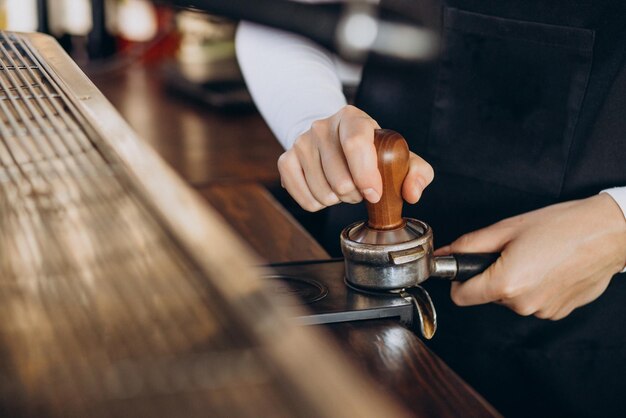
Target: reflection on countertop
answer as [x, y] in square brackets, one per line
[203, 145]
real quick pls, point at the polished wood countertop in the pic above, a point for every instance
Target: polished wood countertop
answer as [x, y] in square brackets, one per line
[230, 159]
[203, 146]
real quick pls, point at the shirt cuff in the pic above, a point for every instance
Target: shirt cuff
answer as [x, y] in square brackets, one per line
[619, 195]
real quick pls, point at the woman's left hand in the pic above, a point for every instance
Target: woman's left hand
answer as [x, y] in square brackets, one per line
[553, 260]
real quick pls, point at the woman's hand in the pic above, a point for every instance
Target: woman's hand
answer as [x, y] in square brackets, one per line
[335, 161]
[553, 261]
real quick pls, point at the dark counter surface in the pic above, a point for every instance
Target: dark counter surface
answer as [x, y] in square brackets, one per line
[230, 159]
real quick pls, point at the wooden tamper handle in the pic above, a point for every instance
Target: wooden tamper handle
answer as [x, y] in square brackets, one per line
[393, 163]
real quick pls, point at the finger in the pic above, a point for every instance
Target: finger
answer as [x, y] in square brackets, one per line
[563, 313]
[487, 286]
[551, 306]
[523, 305]
[356, 136]
[337, 172]
[483, 288]
[292, 178]
[487, 240]
[420, 175]
[311, 163]
[581, 300]
[580, 297]
[551, 296]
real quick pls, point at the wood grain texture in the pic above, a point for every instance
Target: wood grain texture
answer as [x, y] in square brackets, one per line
[393, 164]
[201, 144]
[219, 154]
[400, 362]
[176, 325]
[260, 221]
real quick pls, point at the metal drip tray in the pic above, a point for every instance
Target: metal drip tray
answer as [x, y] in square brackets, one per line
[340, 303]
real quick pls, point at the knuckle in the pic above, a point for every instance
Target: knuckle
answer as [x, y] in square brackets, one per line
[524, 309]
[508, 289]
[283, 162]
[456, 298]
[344, 187]
[352, 144]
[320, 127]
[300, 145]
[311, 206]
[357, 198]
[544, 314]
[329, 201]
[350, 110]
[464, 240]
[353, 112]
[556, 317]
[562, 314]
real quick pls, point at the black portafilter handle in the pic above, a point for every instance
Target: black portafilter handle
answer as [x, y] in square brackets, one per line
[470, 265]
[461, 267]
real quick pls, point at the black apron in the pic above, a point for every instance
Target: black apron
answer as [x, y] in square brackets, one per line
[526, 108]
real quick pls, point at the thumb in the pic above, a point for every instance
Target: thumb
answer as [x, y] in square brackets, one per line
[420, 175]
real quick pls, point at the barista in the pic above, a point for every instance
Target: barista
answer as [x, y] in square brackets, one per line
[524, 122]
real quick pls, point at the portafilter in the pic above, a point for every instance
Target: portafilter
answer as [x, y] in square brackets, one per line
[391, 253]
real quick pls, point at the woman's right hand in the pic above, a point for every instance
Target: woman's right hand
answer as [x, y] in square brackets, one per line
[335, 161]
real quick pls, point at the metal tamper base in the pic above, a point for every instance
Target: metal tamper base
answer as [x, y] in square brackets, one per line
[387, 260]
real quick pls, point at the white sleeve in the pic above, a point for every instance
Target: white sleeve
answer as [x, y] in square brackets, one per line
[619, 195]
[292, 81]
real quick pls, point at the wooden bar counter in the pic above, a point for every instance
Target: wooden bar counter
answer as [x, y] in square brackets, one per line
[230, 160]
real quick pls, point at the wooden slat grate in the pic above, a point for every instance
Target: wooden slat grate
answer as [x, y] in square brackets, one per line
[99, 308]
[121, 294]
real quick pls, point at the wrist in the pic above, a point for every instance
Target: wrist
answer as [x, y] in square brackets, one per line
[614, 220]
[618, 194]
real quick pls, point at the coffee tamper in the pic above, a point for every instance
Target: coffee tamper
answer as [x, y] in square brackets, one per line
[390, 253]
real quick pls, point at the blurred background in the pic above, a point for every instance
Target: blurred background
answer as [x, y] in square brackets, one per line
[195, 50]
[173, 75]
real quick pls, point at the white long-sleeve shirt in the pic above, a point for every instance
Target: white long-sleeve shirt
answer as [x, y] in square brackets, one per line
[295, 82]
[292, 81]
